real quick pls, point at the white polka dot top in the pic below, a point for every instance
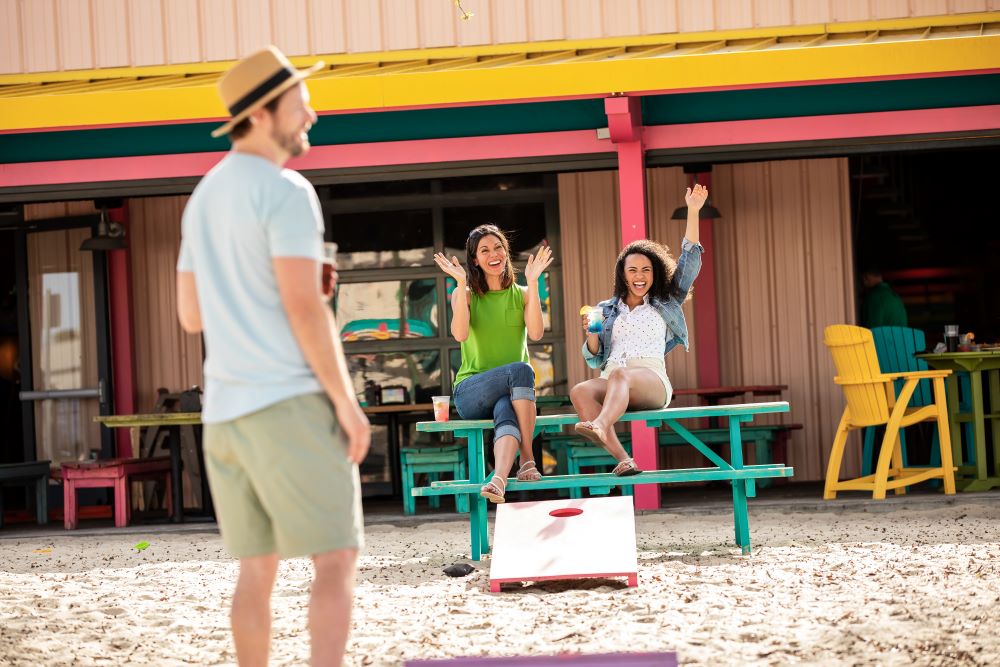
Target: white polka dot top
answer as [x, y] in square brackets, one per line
[639, 333]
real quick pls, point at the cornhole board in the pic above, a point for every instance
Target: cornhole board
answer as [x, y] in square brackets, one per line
[568, 659]
[581, 538]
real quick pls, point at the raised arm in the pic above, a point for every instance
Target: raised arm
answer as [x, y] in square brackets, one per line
[532, 302]
[459, 297]
[695, 199]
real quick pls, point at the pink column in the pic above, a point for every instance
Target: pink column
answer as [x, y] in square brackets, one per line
[706, 330]
[122, 359]
[625, 127]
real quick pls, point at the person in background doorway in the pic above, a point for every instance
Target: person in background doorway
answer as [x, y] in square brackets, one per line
[880, 306]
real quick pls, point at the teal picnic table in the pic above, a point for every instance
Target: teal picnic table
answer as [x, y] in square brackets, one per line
[741, 476]
[973, 476]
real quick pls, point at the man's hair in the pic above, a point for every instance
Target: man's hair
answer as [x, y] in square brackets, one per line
[242, 128]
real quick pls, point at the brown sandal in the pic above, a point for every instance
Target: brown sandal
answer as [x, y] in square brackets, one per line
[626, 468]
[528, 472]
[494, 489]
[586, 429]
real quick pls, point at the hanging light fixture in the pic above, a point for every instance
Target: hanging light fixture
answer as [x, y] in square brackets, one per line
[110, 234]
[708, 212]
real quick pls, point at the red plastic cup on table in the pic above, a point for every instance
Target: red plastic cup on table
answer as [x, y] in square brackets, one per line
[441, 406]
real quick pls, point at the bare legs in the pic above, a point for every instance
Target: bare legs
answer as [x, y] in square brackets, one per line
[525, 411]
[329, 608]
[601, 402]
[251, 612]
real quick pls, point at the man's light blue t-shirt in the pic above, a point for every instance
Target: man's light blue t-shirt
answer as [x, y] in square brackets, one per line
[245, 212]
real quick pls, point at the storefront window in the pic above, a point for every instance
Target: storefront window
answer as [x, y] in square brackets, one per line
[524, 225]
[383, 239]
[417, 373]
[387, 309]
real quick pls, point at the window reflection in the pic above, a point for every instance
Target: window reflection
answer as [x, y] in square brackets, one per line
[387, 309]
[383, 239]
[419, 373]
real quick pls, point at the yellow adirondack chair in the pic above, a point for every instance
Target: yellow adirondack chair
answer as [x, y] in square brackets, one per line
[872, 401]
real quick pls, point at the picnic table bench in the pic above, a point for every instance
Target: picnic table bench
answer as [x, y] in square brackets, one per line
[741, 476]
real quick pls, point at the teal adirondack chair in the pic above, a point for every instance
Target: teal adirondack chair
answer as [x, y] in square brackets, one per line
[896, 348]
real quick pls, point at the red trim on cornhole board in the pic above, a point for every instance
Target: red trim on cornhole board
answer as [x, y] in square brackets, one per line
[633, 579]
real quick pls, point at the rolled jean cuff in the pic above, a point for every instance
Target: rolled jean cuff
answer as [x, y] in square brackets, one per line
[522, 394]
[507, 429]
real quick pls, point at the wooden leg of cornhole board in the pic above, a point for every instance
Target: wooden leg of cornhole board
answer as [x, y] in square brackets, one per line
[584, 538]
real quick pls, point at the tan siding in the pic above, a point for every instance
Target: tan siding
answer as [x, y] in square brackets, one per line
[165, 356]
[38, 25]
[218, 41]
[590, 225]
[585, 19]
[73, 25]
[960, 6]
[849, 10]
[327, 21]
[10, 37]
[290, 27]
[773, 13]
[622, 18]
[111, 33]
[545, 20]
[402, 28]
[658, 16]
[146, 28]
[364, 20]
[253, 25]
[479, 29]
[436, 23]
[183, 31]
[509, 21]
[731, 14]
[805, 12]
[695, 16]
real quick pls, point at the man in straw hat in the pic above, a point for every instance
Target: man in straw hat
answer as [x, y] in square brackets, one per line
[283, 429]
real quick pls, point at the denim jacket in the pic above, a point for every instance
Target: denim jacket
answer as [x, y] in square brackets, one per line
[688, 266]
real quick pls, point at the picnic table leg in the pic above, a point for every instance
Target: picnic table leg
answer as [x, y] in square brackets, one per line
[741, 518]
[475, 475]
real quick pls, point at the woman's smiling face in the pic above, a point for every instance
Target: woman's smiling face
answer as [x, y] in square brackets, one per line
[638, 275]
[490, 255]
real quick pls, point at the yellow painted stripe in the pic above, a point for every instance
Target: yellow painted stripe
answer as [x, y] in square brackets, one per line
[552, 79]
[812, 30]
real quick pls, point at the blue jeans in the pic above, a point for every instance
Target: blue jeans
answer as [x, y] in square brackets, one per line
[491, 392]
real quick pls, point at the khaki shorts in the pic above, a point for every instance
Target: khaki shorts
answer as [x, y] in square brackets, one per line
[282, 483]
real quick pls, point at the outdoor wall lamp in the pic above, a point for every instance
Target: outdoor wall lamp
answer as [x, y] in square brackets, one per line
[708, 212]
[110, 234]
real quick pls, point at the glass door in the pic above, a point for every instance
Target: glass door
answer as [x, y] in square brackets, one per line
[67, 336]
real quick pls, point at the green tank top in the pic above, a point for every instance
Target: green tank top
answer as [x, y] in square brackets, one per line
[497, 335]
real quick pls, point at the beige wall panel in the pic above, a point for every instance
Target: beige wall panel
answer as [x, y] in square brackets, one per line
[437, 23]
[849, 10]
[545, 20]
[695, 16]
[510, 21]
[658, 16]
[400, 24]
[145, 18]
[478, 29]
[253, 26]
[290, 26]
[885, 9]
[38, 27]
[73, 28]
[10, 38]
[962, 6]
[111, 33]
[773, 12]
[327, 22]
[218, 19]
[590, 226]
[364, 26]
[621, 17]
[183, 31]
[585, 19]
[805, 12]
[928, 7]
[165, 356]
[732, 14]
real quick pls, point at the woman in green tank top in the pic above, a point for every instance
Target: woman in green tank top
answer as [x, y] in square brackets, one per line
[493, 317]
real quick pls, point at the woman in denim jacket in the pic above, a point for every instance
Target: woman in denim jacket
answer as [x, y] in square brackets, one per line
[641, 323]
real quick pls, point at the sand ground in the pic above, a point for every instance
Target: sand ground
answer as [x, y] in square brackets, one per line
[877, 584]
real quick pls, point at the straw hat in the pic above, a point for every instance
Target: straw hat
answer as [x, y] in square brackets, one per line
[256, 80]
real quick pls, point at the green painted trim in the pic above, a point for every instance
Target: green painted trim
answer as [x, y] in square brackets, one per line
[500, 119]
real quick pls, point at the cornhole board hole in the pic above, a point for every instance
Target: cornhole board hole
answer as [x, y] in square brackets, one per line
[565, 659]
[564, 539]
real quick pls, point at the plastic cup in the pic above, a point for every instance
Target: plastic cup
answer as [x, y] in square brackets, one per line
[595, 319]
[951, 337]
[327, 266]
[441, 405]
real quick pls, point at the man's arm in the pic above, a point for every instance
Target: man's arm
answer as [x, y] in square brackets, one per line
[315, 330]
[188, 311]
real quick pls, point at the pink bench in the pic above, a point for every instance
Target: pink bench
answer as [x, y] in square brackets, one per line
[117, 474]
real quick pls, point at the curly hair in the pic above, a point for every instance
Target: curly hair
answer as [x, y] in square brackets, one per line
[664, 267]
[477, 277]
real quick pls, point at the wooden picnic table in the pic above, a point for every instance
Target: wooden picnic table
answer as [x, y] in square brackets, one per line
[741, 476]
[976, 477]
[172, 421]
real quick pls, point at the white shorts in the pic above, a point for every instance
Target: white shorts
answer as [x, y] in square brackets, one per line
[652, 363]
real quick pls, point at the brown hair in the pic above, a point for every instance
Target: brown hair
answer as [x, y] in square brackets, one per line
[242, 128]
[477, 277]
[664, 267]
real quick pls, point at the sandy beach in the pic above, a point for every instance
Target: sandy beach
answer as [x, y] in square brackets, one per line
[873, 584]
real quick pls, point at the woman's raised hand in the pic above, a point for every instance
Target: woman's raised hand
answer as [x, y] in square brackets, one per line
[452, 267]
[695, 197]
[538, 263]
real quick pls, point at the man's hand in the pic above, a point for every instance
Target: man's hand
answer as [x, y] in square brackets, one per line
[357, 429]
